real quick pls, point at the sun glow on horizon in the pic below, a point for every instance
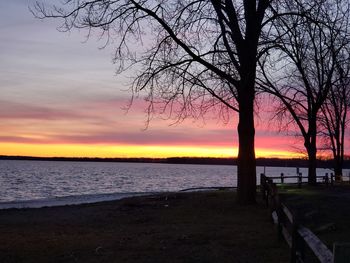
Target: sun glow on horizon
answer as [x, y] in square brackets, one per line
[130, 151]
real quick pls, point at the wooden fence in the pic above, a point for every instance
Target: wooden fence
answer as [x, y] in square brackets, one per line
[299, 179]
[296, 235]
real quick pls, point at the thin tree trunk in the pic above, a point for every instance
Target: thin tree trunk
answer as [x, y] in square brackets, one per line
[312, 151]
[338, 166]
[342, 139]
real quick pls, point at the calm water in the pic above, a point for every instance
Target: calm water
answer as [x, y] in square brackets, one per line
[28, 180]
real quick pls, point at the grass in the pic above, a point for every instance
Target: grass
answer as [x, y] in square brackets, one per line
[186, 227]
[325, 210]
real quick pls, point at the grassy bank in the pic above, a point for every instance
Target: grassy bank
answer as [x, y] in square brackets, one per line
[186, 227]
[325, 210]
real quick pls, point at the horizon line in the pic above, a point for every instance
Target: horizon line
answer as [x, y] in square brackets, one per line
[152, 158]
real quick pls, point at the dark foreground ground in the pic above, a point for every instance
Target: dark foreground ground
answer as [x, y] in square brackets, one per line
[186, 227]
[323, 209]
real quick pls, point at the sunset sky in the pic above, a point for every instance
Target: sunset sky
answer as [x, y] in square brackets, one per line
[60, 97]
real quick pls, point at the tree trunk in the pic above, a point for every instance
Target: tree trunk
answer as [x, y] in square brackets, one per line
[246, 165]
[338, 166]
[312, 150]
[312, 166]
[338, 170]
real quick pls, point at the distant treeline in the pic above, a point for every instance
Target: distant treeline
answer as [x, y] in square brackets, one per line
[185, 160]
[277, 162]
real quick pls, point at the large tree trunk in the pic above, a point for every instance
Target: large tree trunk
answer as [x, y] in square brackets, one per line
[338, 169]
[246, 170]
[246, 166]
[312, 166]
[338, 161]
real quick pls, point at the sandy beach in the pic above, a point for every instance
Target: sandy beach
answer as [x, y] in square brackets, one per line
[178, 227]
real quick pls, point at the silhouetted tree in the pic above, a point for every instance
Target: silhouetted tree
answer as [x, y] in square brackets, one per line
[335, 112]
[335, 109]
[300, 71]
[189, 55]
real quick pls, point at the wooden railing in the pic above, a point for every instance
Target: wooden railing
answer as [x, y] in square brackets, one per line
[297, 236]
[300, 179]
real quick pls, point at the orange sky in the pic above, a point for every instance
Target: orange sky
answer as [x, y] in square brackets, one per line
[102, 129]
[79, 150]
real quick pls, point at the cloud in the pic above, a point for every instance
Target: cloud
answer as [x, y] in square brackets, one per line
[19, 139]
[159, 137]
[15, 110]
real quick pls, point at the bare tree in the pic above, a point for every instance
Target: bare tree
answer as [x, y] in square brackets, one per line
[334, 119]
[189, 55]
[300, 69]
[335, 110]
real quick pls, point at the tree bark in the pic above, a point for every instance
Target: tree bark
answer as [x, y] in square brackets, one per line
[338, 169]
[338, 165]
[246, 163]
[312, 166]
[246, 170]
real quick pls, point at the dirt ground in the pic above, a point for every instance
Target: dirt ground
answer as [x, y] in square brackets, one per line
[179, 227]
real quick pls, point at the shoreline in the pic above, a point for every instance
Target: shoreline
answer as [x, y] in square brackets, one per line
[71, 200]
[91, 198]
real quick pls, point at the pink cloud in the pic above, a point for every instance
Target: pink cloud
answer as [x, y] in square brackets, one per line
[19, 139]
[15, 110]
[158, 137]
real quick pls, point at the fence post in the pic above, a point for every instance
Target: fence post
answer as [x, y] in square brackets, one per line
[326, 179]
[332, 179]
[300, 180]
[282, 178]
[263, 186]
[293, 249]
[281, 220]
[298, 243]
[269, 192]
[341, 252]
[274, 196]
[300, 247]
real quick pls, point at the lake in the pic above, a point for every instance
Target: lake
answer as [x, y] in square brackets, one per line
[31, 180]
